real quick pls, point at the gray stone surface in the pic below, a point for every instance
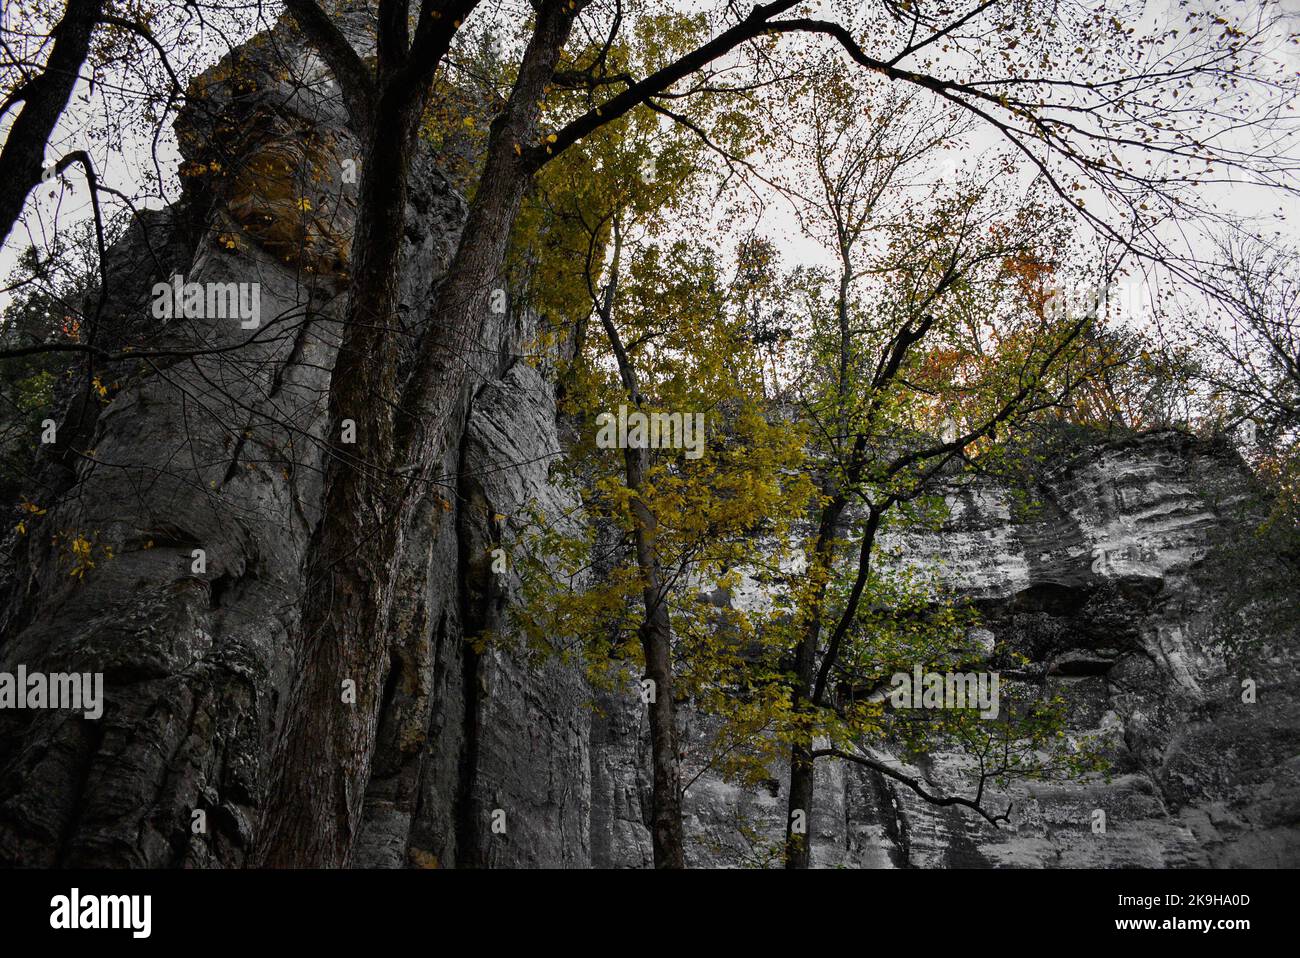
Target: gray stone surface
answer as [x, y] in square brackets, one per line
[1105, 588]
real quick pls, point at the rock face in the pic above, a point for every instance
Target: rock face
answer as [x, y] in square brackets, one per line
[1103, 586]
[218, 454]
[1108, 591]
[493, 756]
[493, 737]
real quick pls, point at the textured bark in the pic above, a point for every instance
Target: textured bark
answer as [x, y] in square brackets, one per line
[325, 763]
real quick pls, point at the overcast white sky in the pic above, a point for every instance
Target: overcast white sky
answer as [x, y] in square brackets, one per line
[55, 205]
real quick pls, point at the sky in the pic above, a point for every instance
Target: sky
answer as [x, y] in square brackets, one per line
[58, 204]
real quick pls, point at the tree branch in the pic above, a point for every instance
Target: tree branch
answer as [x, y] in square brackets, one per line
[912, 783]
[354, 79]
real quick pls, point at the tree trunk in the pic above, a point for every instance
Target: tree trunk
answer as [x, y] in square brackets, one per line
[799, 807]
[44, 98]
[656, 644]
[656, 629]
[315, 807]
[798, 853]
[314, 810]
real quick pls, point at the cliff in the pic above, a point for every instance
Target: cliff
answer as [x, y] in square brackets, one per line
[1108, 587]
[1105, 588]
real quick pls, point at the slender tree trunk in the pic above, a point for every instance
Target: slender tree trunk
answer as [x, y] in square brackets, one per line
[656, 629]
[656, 645]
[798, 825]
[798, 853]
[44, 98]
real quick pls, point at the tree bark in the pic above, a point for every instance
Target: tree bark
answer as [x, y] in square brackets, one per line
[656, 645]
[656, 628]
[44, 98]
[797, 850]
[314, 810]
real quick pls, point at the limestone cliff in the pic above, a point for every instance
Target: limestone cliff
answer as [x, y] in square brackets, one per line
[1105, 587]
[1111, 588]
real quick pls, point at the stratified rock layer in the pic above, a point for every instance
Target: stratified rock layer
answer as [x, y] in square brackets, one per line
[494, 756]
[1104, 585]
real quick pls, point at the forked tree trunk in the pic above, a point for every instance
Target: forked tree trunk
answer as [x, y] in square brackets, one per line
[799, 809]
[324, 764]
[315, 807]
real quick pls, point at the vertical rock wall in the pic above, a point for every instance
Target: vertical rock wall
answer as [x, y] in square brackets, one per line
[499, 756]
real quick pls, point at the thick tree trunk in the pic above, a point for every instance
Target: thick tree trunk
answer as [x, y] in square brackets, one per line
[316, 804]
[315, 807]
